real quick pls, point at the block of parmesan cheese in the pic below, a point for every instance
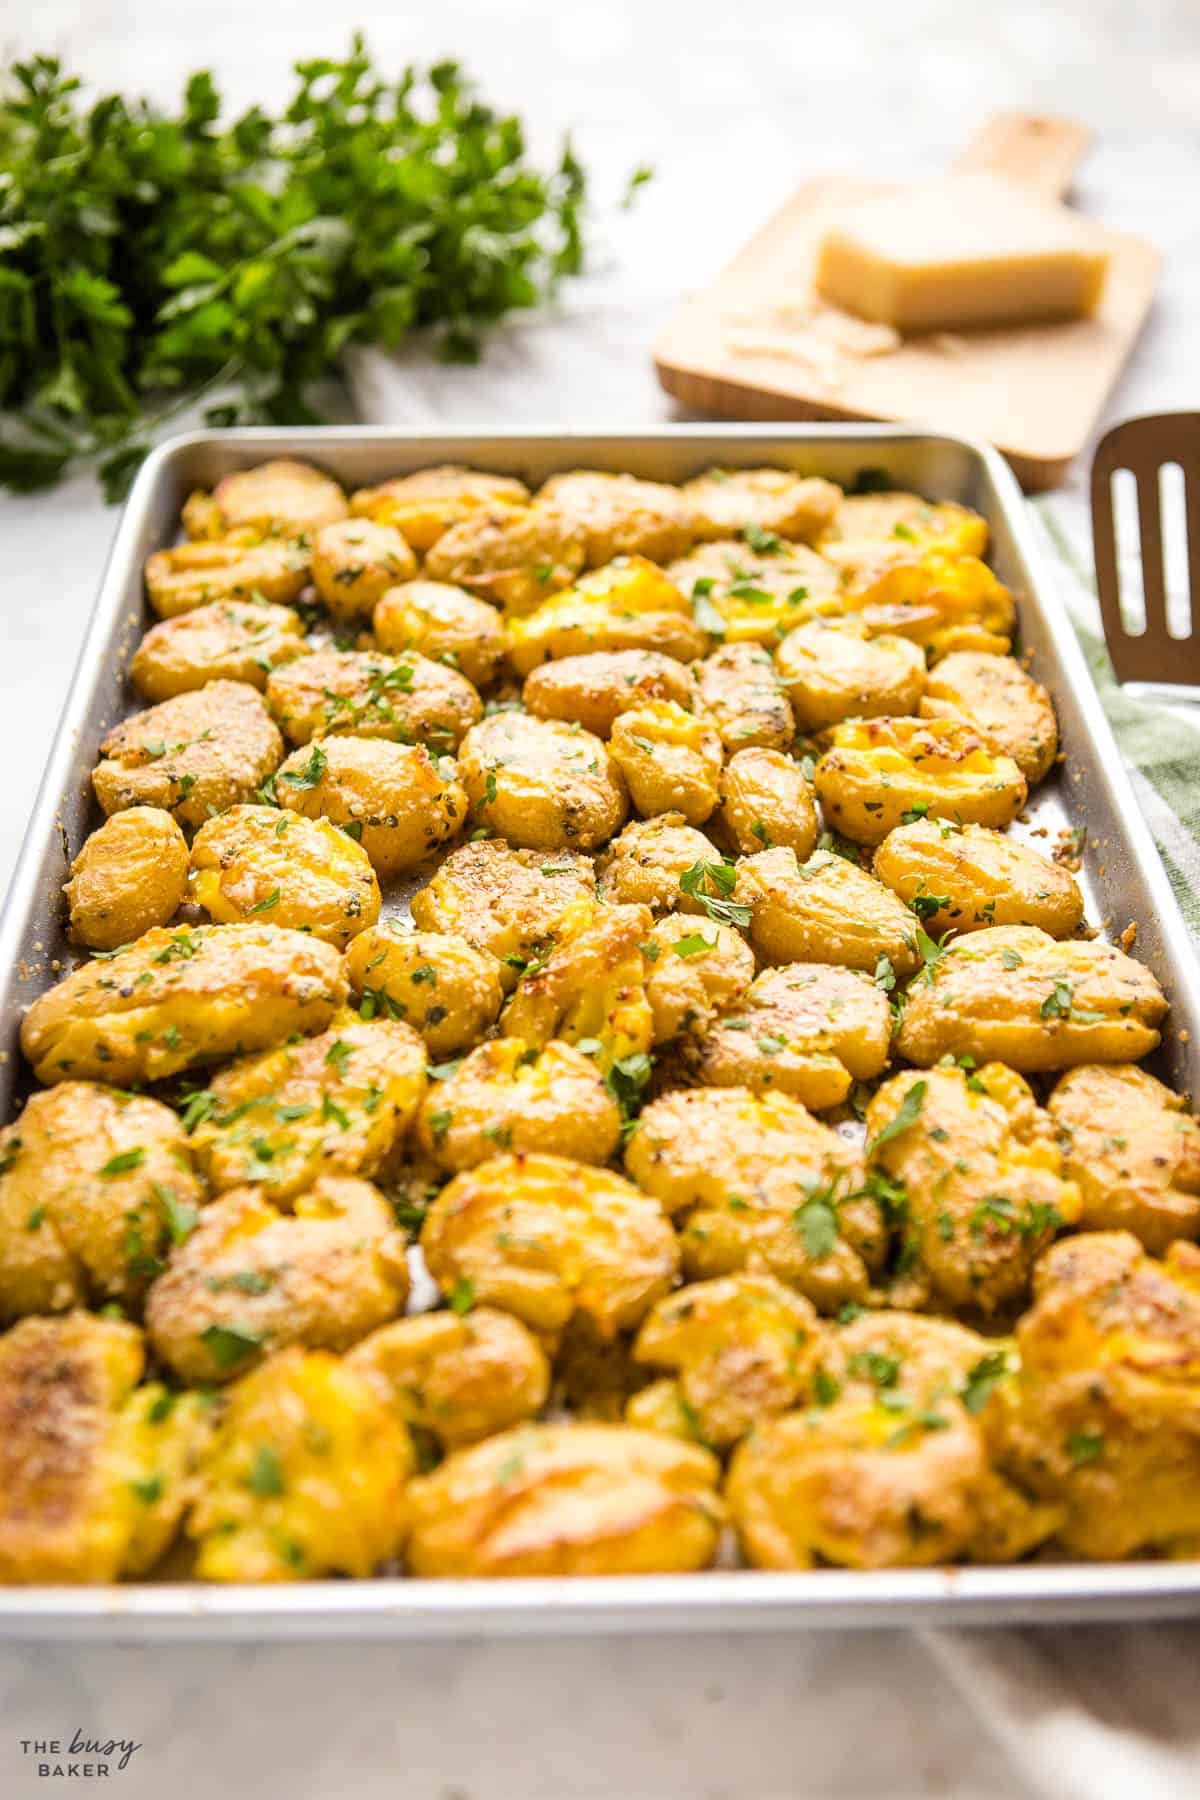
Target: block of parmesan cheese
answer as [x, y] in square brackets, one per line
[972, 249]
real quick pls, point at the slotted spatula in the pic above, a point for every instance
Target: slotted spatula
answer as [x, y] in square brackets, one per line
[1147, 546]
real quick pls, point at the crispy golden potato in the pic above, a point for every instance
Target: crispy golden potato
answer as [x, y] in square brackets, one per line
[593, 690]
[645, 864]
[760, 503]
[745, 595]
[193, 756]
[444, 623]
[511, 555]
[996, 696]
[130, 875]
[280, 498]
[1103, 1417]
[541, 784]
[509, 1095]
[228, 640]
[508, 903]
[355, 562]
[399, 801]
[544, 1237]
[618, 515]
[740, 691]
[981, 1173]
[590, 989]
[833, 669]
[901, 522]
[304, 1477]
[745, 1347]
[824, 910]
[94, 1470]
[1014, 995]
[566, 1500]
[693, 968]
[762, 1186]
[943, 603]
[426, 504]
[440, 985]
[177, 998]
[1134, 1150]
[630, 605]
[250, 1279]
[765, 801]
[808, 1030]
[298, 872]
[670, 758]
[359, 693]
[967, 877]
[340, 1103]
[458, 1378]
[94, 1184]
[239, 570]
[884, 772]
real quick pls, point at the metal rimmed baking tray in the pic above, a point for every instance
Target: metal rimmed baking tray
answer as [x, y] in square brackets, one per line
[1122, 874]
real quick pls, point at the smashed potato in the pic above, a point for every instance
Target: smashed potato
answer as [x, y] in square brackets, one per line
[235, 571]
[444, 623]
[1133, 1148]
[670, 758]
[511, 555]
[544, 1237]
[508, 903]
[761, 503]
[693, 967]
[630, 605]
[645, 864]
[440, 985]
[424, 505]
[900, 522]
[618, 515]
[833, 669]
[509, 1095]
[304, 873]
[228, 640]
[886, 772]
[355, 562]
[967, 877]
[193, 756]
[593, 690]
[765, 800]
[130, 875]
[996, 696]
[566, 1500]
[753, 596]
[400, 802]
[942, 603]
[1012, 994]
[360, 693]
[590, 989]
[250, 1279]
[738, 688]
[458, 1377]
[824, 910]
[280, 498]
[541, 784]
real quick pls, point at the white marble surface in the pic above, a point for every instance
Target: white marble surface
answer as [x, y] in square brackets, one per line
[733, 106]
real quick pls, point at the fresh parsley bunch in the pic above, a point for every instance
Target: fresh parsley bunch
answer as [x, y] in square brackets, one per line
[149, 260]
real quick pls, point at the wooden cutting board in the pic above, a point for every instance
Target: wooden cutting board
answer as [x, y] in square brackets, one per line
[735, 349]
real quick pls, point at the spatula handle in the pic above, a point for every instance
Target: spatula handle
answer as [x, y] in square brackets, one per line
[1036, 149]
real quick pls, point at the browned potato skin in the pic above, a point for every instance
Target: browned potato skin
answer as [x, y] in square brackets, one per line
[745, 1347]
[566, 1500]
[229, 640]
[440, 985]
[444, 623]
[510, 1095]
[355, 562]
[544, 1237]
[984, 1178]
[618, 515]
[1133, 1149]
[237, 570]
[693, 967]
[461, 1379]
[424, 505]
[824, 910]
[501, 902]
[130, 875]
[595, 689]
[397, 800]
[360, 693]
[807, 1030]
[983, 878]
[278, 498]
[643, 865]
[305, 873]
[213, 990]
[541, 785]
[738, 688]
[323, 1277]
[193, 756]
[833, 670]
[765, 801]
[511, 555]
[71, 1233]
[877, 772]
[983, 1003]
[725, 501]
[995, 694]
[670, 758]
[1103, 1417]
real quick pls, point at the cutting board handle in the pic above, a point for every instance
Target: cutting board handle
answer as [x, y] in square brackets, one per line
[1036, 149]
